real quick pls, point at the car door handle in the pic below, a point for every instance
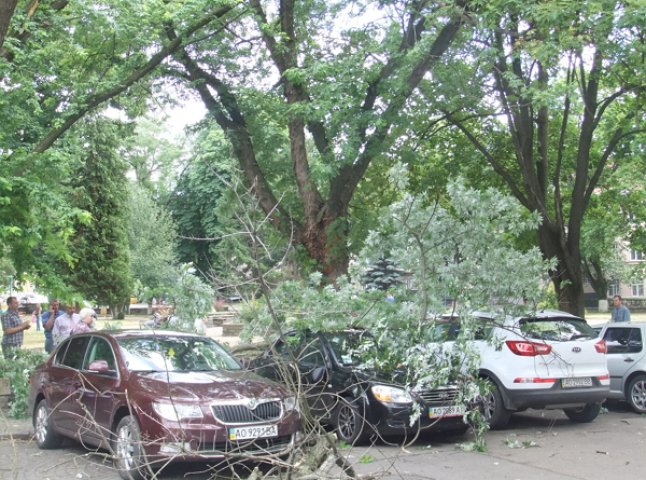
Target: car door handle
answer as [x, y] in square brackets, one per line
[629, 359]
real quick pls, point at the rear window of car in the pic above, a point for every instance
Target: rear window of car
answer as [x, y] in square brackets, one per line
[557, 329]
[176, 354]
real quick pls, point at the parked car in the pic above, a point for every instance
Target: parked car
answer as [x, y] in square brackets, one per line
[627, 362]
[156, 397]
[340, 391]
[546, 360]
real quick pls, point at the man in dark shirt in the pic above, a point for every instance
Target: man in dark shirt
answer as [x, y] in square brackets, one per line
[49, 318]
[12, 328]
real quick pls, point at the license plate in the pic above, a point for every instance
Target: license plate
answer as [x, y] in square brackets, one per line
[448, 411]
[576, 382]
[249, 433]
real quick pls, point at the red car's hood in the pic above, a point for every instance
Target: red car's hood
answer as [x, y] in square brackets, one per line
[220, 385]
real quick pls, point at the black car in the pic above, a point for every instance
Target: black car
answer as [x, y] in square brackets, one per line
[357, 401]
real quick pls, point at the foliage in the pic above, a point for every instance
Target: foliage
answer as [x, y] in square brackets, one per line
[382, 275]
[614, 222]
[465, 253]
[345, 84]
[191, 297]
[153, 156]
[100, 242]
[551, 102]
[17, 369]
[152, 241]
[195, 198]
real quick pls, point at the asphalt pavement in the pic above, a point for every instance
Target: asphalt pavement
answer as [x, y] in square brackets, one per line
[538, 445]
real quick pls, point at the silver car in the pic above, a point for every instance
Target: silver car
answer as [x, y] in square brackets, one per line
[627, 362]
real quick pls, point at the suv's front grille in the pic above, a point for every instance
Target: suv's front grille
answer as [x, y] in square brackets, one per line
[242, 413]
[441, 396]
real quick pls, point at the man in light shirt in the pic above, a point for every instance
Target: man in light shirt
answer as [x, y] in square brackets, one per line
[64, 324]
[620, 312]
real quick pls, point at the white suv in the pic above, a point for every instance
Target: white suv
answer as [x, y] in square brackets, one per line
[548, 360]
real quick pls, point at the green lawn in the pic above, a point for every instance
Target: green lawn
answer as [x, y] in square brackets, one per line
[36, 340]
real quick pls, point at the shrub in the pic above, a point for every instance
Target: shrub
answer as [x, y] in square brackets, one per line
[17, 370]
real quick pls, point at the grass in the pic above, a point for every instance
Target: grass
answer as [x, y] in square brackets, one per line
[596, 318]
[35, 340]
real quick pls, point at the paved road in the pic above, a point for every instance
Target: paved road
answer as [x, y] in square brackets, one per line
[537, 446]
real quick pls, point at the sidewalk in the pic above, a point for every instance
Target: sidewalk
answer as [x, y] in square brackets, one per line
[19, 429]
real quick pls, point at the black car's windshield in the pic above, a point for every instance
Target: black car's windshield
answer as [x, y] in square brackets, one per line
[176, 354]
[351, 346]
[559, 329]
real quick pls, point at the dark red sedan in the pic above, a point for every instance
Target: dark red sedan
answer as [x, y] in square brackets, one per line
[151, 398]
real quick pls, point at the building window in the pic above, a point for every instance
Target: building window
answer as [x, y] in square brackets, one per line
[637, 288]
[613, 288]
[636, 255]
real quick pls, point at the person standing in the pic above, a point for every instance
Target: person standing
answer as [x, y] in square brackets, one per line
[86, 322]
[64, 324]
[620, 312]
[49, 318]
[13, 328]
[37, 316]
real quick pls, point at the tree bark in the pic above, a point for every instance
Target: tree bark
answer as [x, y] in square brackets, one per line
[7, 8]
[566, 277]
[595, 274]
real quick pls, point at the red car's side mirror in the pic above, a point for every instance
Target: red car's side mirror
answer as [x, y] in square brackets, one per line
[99, 366]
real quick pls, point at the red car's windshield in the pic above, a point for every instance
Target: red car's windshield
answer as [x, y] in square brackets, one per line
[176, 354]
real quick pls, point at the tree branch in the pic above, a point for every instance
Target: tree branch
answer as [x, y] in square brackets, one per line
[94, 101]
[498, 168]
[229, 116]
[349, 176]
[24, 34]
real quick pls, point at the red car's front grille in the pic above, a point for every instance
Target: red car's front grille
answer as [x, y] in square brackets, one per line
[258, 446]
[240, 413]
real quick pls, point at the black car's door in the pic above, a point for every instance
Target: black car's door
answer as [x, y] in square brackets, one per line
[64, 385]
[315, 375]
[99, 393]
[300, 361]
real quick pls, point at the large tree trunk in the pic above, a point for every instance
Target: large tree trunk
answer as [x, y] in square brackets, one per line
[566, 276]
[596, 276]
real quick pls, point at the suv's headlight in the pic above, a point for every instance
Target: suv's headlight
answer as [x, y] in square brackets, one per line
[290, 404]
[176, 412]
[388, 394]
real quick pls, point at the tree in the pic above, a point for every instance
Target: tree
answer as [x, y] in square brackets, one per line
[152, 240]
[554, 94]
[100, 243]
[153, 156]
[382, 275]
[614, 221]
[60, 61]
[194, 201]
[341, 90]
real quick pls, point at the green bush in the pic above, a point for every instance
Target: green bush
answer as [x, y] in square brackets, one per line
[17, 370]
